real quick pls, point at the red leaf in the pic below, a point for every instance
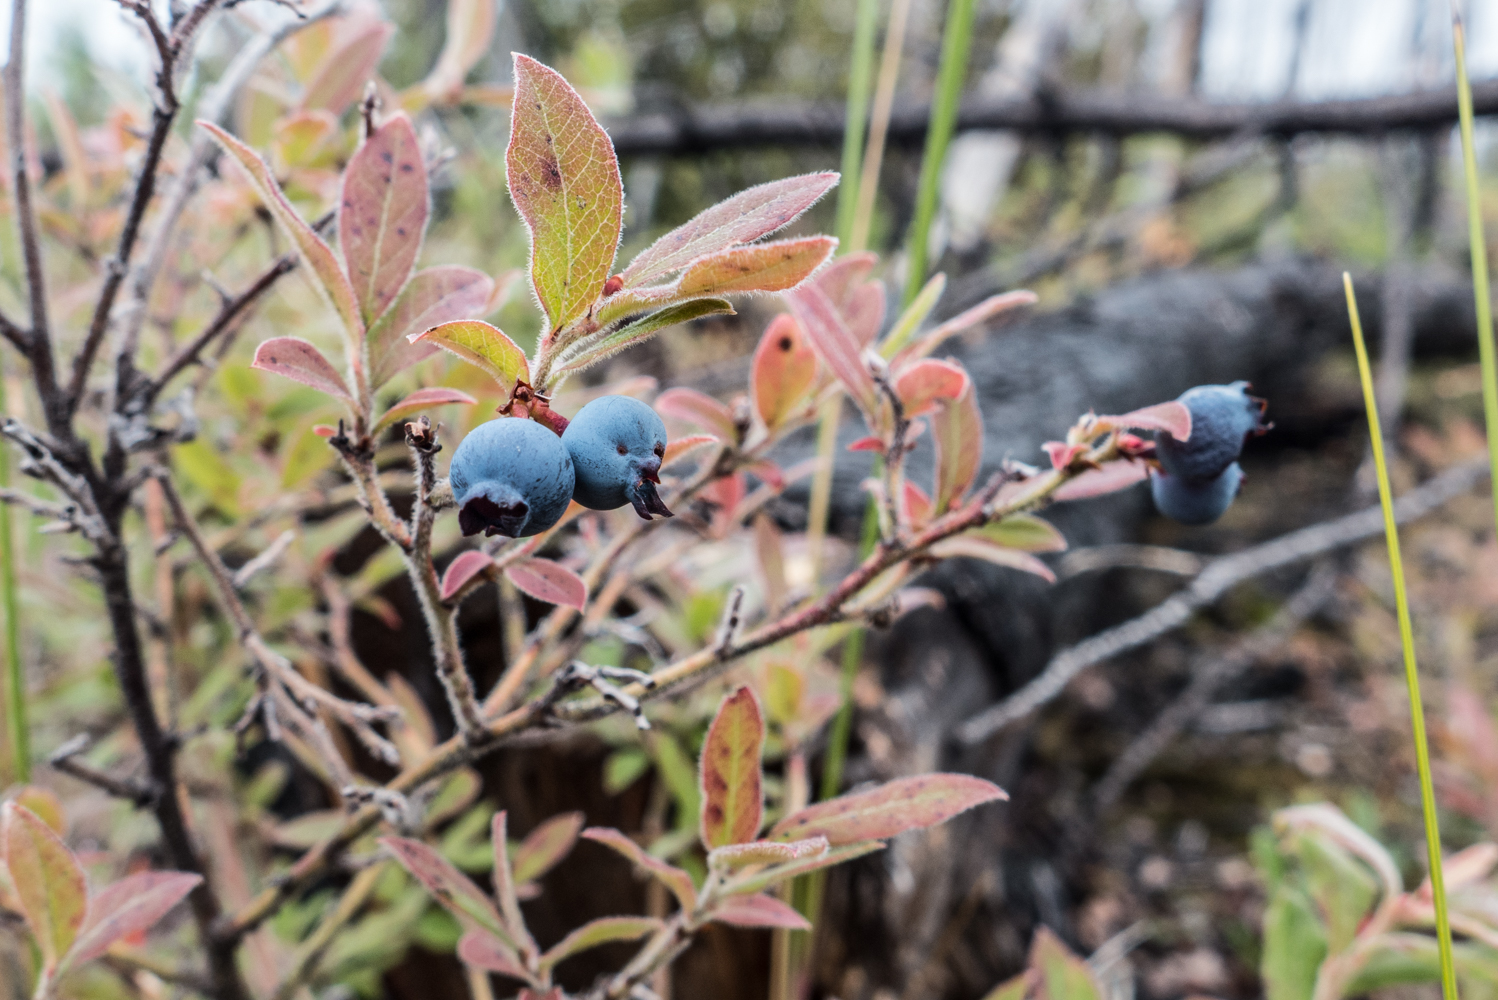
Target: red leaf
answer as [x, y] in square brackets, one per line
[864, 312]
[924, 383]
[744, 218]
[979, 547]
[784, 371]
[382, 215]
[419, 400]
[868, 443]
[433, 296]
[957, 427]
[835, 345]
[684, 446]
[890, 809]
[462, 569]
[344, 72]
[133, 904]
[758, 911]
[324, 430]
[564, 180]
[760, 267]
[840, 278]
[1173, 418]
[698, 408]
[768, 473]
[483, 950]
[733, 805]
[917, 504]
[296, 359]
[454, 890]
[1112, 477]
[545, 846]
[548, 581]
[678, 881]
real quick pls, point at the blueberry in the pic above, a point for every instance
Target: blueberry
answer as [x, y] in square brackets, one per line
[1221, 417]
[617, 444]
[511, 477]
[1196, 501]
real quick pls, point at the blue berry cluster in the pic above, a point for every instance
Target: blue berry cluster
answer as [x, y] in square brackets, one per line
[1200, 477]
[513, 477]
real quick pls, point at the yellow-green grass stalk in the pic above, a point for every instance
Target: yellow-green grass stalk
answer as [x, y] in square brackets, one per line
[1479, 256]
[1407, 640]
[860, 86]
[18, 732]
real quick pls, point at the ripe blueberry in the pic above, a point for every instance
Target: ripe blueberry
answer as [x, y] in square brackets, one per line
[1222, 416]
[511, 477]
[1199, 501]
[616, 444]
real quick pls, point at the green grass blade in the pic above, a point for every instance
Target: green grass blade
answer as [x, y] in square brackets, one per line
[1407, 640]
[860, 85]
[1479, 258]
[17, 729]
[956, 43]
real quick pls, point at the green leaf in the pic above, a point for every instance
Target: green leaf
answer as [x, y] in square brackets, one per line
[623, 768]
[1066, 977]
[914, 315]
[889, 809]
[205, 467]
[731, 857]
[732, 784]
[315, 254]
[759, 881]
[308, 455]
[382, 214]
[1010, 989]
[546, 845]
[972, 545]
[483, 345]
[642, 330]
[604, 930]
[1025, 532]
[1294, 946]
[564, 180]
[47, 880]
[1343, 889]
[677, 771]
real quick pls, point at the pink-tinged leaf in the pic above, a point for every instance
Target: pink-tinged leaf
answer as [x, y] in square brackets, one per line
[344, 73]
[315, 254]
[761, 880]
[548, 581]
[744, 218]
[973, 546]
[1025, 532]
[844, 275]
[678, 881]
[783, 372]
[483, 950]
[765, 852]
[729, 776]
[890, 809]
[922, 385]
[470, 25]
[483, 345]
[555, 993]
[684, 446]
[564, 180]
[604, 930]
[47, 880]
[957, 427]
[760, 267]
[421, 399]
[989, 309]
[1110, 478]
[462, 569]
[698, 408]
[869, 443]
[1173, 418]
[133, 904]
[1062, 454]
[835, 345]
[768, 473]
[296, 359]
[504, 885]
[758, 911]
[864, 312]
[454, 890]
[432, 297]
[545, 846]
[382, 214]
[917, 504]
[1063, 975]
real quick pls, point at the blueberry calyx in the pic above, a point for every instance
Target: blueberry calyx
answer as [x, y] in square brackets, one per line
[644, 498]
[481, 513]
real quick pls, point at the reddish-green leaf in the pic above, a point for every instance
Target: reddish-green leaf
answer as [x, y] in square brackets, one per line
[548, 581]
[759, 881]
[45, 804]
[643, 329]
[761, 267]
[678, 881]
[344, 72]
[744, 218]
[454, 890]
[784, 371]
[564, 180]
[48, 882]
[432, 297]
[976, 546]
[917, 504]
[684, 446]
[1173, 418]
[957, 427]
[988, 309]
[604, 930]
[133, 904]
[1025, 532]
[765, 852]
[504, 885]
[421, 399]
[758, 911]
[483, 345]
[835, 344]
[462, 569]
[729, 775]
[924, 384]
[1109, 478]
[382, 214]
[1063, 975]
[296, 359]
[698, 408]
[890, 809]
[545, 846]
[316, 254]
[483, 950]
[470, 25]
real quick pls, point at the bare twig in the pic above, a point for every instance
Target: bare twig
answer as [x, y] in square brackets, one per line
[264, 560]
[66, 760]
